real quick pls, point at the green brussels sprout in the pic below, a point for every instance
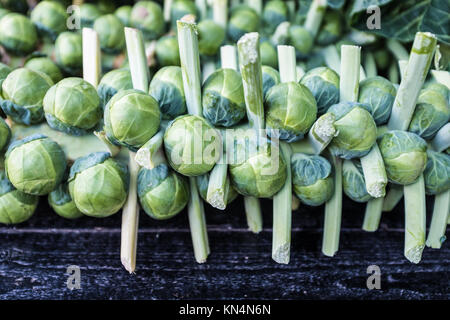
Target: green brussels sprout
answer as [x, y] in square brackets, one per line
[270, 78]
[4, 71]
[223, 98]
[323, 83]
[72, 106]
[202, 186]
[242, 21]
[15, 206]
[404, 155]
[110, 33]
[210, 37]
[124, 15]
[379, 94]
[274, 13]
[106, 6]
[4, 12]
[291, 109]
[167, 88]
[331, 30]
[311, 179]
[301, 39]
[62, 203]
[357, 130]
[268, 53]
[162, 192]
[179, 9]
[167, 51]
[23, 93]
[98, 184]
[35, 164]
[353, 181]
[437, 172]
[192, 145]
[113, 82]
[87, 14]
[50, 18]
[131, 118]
[432, 111]
[18, 34]
[5, 134]
[148, 17]
[47, 66]
[69, 52]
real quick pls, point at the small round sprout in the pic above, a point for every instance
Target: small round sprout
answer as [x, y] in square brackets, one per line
[4, 71]
[270, 78]
[35, 164]
[148, 17]
[301, 40]
[223, 98]
[243, 20]
[167, 51]
[98, 184]
[356, 127]
[50, 18]
[323, 83]
[62, 203]
[113, 82]
[110, 33]
[69, 52]
[124, 15]
[203, 183]
[291, 109]
[167, 88]
[179, 9]
[379, 94]
[437, 172]
[87, 14]
[432, 111]
[274, 13]
[18, 34]
[23, 92]
[269, 56]
[404, 155]
[162, 192]
[4, 12]
[5, 134]
[312, 179]
[131, 117]
[72, 106]
[353, 181]
[192, 145]
[331, 30]
[45, 65]
[15, 206]
[210, 37]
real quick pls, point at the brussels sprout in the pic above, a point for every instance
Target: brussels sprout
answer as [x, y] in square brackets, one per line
[98, 184]
[131, 118]
[290, 108]
[203, 183]
[148, 17]
[17, 34]
[15, 206]
[167, 51]
[378, 93]
[223, 98]
[312, 179]
[5, 134]
[301, 39]
[69, 52]
[72, 106]
[35, 165]
[268, 54]
[162, 192]
[106, 6]
[437, 172]
[210, 37]
[113, 82]
[331, 29]
[167, 88]
[62, 203]
[353, 181]
[4, 71]
[124, 15]
[87, 14]
[50, 18]
[432, 111]
[242, 21]
[179, 9]
[45, 65]
[4, 12]
[23, 92]
[110, 33]
[270, 78]
[357, 130]
[323, 83]
[192, 146]
[275, 12]
[404, 155]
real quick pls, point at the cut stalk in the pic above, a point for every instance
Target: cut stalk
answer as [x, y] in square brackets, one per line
[300, 72]
[302, 146]
[436, 234]
[393, 197]
[374, 172]
[253, 214]
[167, 10]
[372, 215]
[322, 132]
[91, 56]
[113, 149]
[287, 63]
[314, 16]
[331, 57]
[295, 203]
[202, 8]
[281, 34]
[228, 57]
[220, 12]
[441, 141]
[217, 193]
[256, 5]
[151, 154]
[209, 67]
[369, 65]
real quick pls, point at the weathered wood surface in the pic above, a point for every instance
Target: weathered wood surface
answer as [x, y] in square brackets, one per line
[34, 257]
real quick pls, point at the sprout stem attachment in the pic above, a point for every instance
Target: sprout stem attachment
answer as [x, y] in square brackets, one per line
[372, 215]
[253, 214]
[314, 16]
[113, 149]
[436, 234]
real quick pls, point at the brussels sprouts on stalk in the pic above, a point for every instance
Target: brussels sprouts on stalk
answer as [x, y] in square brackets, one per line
[268, 54]
[437, 172]
[17, 34]
[35, 165]
[87, 14]
[15, 206]
[148, 17]
[404, 154]
[167, 51]
[312, 179]
[223, 98]
[210, 37]
[45, 65]
[72, 106]
[162, 192]
[62, 203]
[331, 29]
[301, 39]
[270, 78]
[275, 12]
[110, 33]
[323, 83]
[69, 52]
[203, 183]
[179, 9]
[378, 93]
[50, 18]
[167, 88]
[353, 181]
[98, 184]
[113, 82]
[124, 15]
[5, 134]
[243, 20]
[23, 92]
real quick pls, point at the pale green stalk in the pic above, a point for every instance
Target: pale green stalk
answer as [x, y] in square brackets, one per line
[393, 197]
[281, 34]
[287, 63]
[402, 65]
[393, 74]
[322, 132]
[209, 66]
[167, 10]
[441, 141]
[151, 154]
[295, 203]
[91, 56]
[253, 214]
[369, 65]
[374, 172]
[314, 16]
[113, 149]
[436, 234]
[442, 76]
[372, 215]
[228, 57]
[256, 5]
[202, 8]
[217, 193]
[302, 146]
[220, 12]
[397, 49]
[331, 56]
[140, 73]
[300, 72]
